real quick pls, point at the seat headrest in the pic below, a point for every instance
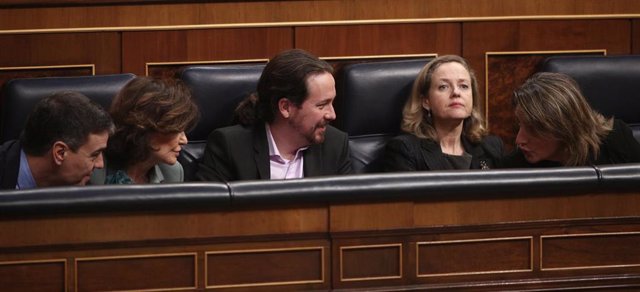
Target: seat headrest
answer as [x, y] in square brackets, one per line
[608, 83]
[371, 95]
[21, 95]
[218, 90]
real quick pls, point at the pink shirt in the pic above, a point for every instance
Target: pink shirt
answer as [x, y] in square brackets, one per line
[280, 167]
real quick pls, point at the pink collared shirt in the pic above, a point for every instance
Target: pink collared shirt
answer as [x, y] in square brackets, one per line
[280, 167]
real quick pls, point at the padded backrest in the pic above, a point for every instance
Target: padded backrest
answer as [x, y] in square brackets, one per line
[369, 106]
[609, 83]
[217, 91]
[20, 95]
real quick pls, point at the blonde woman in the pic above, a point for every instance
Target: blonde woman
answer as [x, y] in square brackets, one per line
[559, 128]
[442, 125]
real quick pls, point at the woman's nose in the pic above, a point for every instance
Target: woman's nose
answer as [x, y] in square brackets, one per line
[521, 138]
[456, 91]
[183, 138]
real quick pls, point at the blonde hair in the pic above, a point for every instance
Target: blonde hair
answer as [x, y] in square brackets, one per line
[551, 104]
[414, 118]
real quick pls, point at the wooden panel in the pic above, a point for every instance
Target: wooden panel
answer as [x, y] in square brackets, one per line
[136, 273]
[468, 257]
[33, 276]
[265, 267]
[635, 36]
[7, 73]
[588, 251]
[523, 209]
[390, 39]
[133, 227]
[140, 48]
[374, 216]
[370, 262]
[480, 38]
[101, 49]
[218, 12]
[502, 80]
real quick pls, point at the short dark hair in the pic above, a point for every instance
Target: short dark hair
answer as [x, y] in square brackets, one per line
[285, 76]
[144, 106]
[64, 116]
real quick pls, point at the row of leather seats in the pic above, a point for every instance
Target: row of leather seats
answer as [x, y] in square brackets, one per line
[434, 185]
[369, 101]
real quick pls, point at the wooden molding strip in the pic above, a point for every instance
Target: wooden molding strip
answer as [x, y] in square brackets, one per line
[319, 23]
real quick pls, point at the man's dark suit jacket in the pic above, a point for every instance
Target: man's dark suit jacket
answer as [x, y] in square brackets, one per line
[9, 164]
[242, 153]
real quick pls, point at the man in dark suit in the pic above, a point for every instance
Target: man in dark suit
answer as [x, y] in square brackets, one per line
[284, 130]
[61, 144]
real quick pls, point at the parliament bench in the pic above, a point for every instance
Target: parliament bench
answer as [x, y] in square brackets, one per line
[521, 229]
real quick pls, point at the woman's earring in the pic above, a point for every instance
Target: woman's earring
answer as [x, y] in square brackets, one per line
[428, 113]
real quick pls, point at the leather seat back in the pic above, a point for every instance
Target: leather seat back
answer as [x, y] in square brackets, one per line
[369, 106]
[217, 90]
[20, 95]
[608, 82]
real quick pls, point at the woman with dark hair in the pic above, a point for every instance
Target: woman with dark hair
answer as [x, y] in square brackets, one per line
[559, 128]
[151, 117]
[442, 124]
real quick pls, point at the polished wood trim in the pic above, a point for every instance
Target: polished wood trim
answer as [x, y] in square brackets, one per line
[208, 62]
[512, 53]
[542, 237]
[79, 66]
[265, 250]
[342, 248]
[319, 23]
[66, 3]
[90, 259]
[418, 244]
[395, 56]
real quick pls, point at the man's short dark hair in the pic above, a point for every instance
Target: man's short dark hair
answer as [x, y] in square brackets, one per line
[64, 116]
[285, 76]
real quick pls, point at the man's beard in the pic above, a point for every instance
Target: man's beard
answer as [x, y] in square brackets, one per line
[313, 136]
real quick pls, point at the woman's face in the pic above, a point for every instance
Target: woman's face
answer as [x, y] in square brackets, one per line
[166, 147]
[450, 97]
[537, 147]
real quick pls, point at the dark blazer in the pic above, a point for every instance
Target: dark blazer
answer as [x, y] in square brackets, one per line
[9, 164]
[618, 147]
[242, 153]
[408, 153]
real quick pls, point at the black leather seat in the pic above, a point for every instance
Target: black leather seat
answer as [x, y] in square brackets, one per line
[608, 82]
[20, 95]
[369, 106]
[217, 91]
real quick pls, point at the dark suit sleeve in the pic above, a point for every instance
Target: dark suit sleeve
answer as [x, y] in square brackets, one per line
[622, 147]
[344, 164]
[399, 156]
[495, 147]
[216, 162]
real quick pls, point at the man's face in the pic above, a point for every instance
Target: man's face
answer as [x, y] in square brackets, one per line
[76, 168]
[310, 120]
